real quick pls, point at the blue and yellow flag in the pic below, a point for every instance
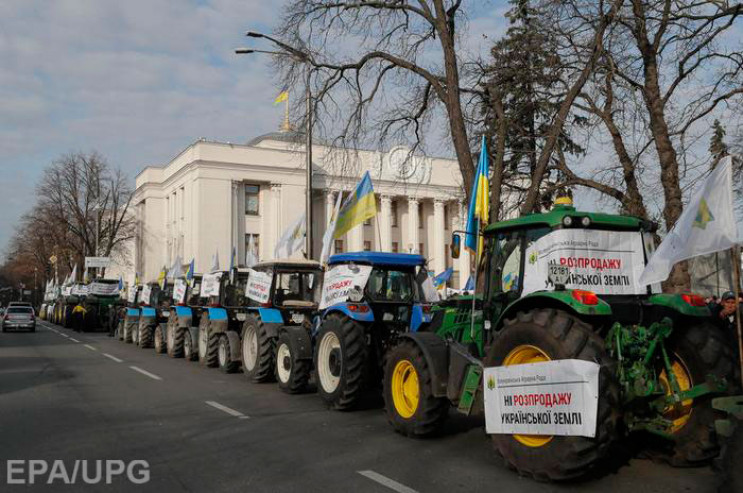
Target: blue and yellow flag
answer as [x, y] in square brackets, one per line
[190, 273]
[357, 208]
[440, 281]
[161, 277]
[479, 203]
[283, 95]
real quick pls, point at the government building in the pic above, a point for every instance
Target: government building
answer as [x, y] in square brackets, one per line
[216, 196]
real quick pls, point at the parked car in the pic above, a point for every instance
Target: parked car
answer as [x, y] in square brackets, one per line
[19, 317]
[19, 303]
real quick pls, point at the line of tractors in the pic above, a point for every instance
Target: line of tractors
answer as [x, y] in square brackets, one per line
[370, 323]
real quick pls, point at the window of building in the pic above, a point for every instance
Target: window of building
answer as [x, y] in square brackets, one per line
[395, 247]
[420, 216]
[367, 246]
[338, 246]
[446, 216]
[255, 240]
[252, 199]
[420, 249]
[447, 255]
[393, 212]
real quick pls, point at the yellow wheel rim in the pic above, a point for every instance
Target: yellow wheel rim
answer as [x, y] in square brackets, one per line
[678, 414]
[521, 355]
[405, 389]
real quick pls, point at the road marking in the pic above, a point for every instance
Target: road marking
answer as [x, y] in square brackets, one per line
[385, 481]
[64, 335]
[113, 358]
[146, 373]
[90, 347]
[226, 409]
[73, 339]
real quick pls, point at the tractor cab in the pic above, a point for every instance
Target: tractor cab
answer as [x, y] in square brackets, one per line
[390, 288]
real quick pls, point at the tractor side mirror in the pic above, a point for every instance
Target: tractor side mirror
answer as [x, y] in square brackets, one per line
[456, 245]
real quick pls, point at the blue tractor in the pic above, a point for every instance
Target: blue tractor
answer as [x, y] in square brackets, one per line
[282, 300]
[368, 300]
[184, 319]
[129, 316]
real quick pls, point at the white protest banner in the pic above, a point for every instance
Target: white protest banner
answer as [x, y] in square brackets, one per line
[557, 397]
[606, 262]
[210, 284]
[179, 291]
[103, 288]
[339, 280]
[132, 295]
[258, 287]
[97, 262]
[144, 296]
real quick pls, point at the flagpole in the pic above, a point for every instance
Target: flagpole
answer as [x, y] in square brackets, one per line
[474, 287]
[736, 275]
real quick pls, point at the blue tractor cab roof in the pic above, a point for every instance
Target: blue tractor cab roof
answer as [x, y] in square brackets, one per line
[378, 258]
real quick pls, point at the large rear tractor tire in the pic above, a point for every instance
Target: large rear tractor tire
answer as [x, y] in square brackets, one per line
[411, 407]
[208, 347]
[224, 356]
[160, 340]
[542, 335]
[341, 362]
[145, 336]
[695, 351]
[176, 337]
[258, 351]
[292, 374]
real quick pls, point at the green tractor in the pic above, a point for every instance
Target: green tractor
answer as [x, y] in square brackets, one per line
[563, 285]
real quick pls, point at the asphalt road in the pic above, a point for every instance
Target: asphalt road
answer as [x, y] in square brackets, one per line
[67, 397]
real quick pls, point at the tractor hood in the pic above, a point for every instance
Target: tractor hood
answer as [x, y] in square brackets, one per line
[557, 218]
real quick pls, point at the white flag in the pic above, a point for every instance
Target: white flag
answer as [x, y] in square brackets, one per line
[215, 261]
[176, 270]
[707, 225]
[73, 275]
[292, 239]
[251, 256]
[327, 239]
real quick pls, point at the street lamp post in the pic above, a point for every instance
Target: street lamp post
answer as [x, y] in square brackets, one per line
[303, 58]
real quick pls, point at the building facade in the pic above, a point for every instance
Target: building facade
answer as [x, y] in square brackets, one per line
[216, 196]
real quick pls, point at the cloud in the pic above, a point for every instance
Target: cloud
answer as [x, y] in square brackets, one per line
[136, 80]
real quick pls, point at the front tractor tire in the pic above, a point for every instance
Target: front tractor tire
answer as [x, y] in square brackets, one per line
[695, 352]
[341, 361]
[160, 340]
[190, 350]
[292, 374]
[411, 407]
[224, 356]
[543, 335]
[257, 349]
[176, 336]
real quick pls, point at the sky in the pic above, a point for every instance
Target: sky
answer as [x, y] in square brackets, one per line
[136, 80]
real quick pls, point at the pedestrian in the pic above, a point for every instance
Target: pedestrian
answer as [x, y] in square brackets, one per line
[78, 317]
[723, 314]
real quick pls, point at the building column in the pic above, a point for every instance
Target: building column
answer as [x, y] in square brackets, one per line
[438, 252]
[385, 223]
[234, 229]
[463, 263]
[413, 233]
[275, 219]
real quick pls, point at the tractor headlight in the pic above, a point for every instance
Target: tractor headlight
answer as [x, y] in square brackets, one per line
[585, 222]
[567, 221]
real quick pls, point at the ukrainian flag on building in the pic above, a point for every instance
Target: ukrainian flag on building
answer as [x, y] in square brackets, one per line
[283, 95]
[357, 208]
[479, 202]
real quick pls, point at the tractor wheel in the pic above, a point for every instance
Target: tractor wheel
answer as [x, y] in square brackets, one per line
[411, 407]
[176, 339]
[208, 347]
[695, 351]
[341, 361]
[224, 356]
[160, 346]
[128, 332]
[189, 347]
[257, 351]
[145, 337]
[291, 374]
[546, 334]
[120, 330]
